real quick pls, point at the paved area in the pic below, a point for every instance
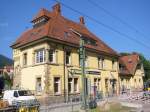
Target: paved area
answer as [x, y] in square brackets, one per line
[139, 100]
[61, 108]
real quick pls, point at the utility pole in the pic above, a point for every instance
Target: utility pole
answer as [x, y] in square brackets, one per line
[82, 64]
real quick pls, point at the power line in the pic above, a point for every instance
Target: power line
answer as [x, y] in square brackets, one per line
[104, 25]
[117, 18]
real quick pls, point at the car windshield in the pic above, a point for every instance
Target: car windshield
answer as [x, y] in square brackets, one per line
[24, 93]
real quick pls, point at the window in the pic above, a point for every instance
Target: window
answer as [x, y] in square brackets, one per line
[86, 61]
[57, 85]
[52, 56]
[40, 56]
[106, 85]
[113, 65]
[68, 57]
[40, 22]
[16, 94]
[25, 59]
[97, 83]
[75, 84]
[72, 85]
[24, 93]
[100, 63]
[90, 42]
[70, 90]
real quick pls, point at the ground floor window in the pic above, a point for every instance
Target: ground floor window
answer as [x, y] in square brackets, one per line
[57, 85]
[135, 83]
[73, 85]
[70, 82]
[106, 85]
[97, 83]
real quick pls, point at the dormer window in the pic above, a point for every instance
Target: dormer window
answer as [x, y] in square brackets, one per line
[90, 42]
[130, 61]
[40, 21]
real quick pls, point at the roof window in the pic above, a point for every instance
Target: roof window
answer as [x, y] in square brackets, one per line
[40, 21]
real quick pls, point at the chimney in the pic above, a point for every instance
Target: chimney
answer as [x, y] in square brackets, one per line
[82, 20]
[57, 8]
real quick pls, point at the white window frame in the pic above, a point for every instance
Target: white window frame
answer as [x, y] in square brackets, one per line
[101, 62]
[53, 55]
[76, 91]
[38, 55]
[113, 65]
[59, 86]
[86, 61]
[69, 57]
[72, 83]
[25, 61]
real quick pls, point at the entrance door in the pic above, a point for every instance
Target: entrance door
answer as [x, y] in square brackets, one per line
[86, 86]
[38, 85]
[113, 84]
[106, 85]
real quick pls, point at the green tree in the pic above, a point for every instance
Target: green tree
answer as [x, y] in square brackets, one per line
[7, 81]
[146, 65]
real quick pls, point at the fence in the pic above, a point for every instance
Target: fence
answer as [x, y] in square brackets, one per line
[60, 104]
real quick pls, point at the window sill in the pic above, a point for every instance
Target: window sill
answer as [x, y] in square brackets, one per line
[113, 70]
[25, 66]
[51, 63]
[69, 65]
[73, 93]
[102, 69]
[36, 64]
[57, 94]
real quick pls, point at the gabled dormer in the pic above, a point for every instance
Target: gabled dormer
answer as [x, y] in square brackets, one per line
[41, 18]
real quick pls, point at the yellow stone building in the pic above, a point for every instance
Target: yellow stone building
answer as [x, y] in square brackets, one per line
[131, 73]
[46, 58]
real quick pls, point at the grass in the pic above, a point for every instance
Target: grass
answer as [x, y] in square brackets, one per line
[112, 107]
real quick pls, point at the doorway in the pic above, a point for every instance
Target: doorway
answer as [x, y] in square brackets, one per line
[38, 86]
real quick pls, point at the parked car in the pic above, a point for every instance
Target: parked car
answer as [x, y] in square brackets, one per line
[21, 98]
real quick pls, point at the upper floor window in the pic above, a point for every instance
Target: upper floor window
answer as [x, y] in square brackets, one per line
[90, 42]
[52, 56]
[40, 21]
[25, 59]
[40, 56]
[113, 65]
[139, 66]
[86, 61]
[100, 63]
[68, 57]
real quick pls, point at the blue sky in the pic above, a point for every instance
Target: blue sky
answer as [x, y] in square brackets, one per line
[15, 17]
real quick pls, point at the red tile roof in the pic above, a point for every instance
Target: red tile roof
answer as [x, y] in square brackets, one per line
[56, 27]
[130, 62]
